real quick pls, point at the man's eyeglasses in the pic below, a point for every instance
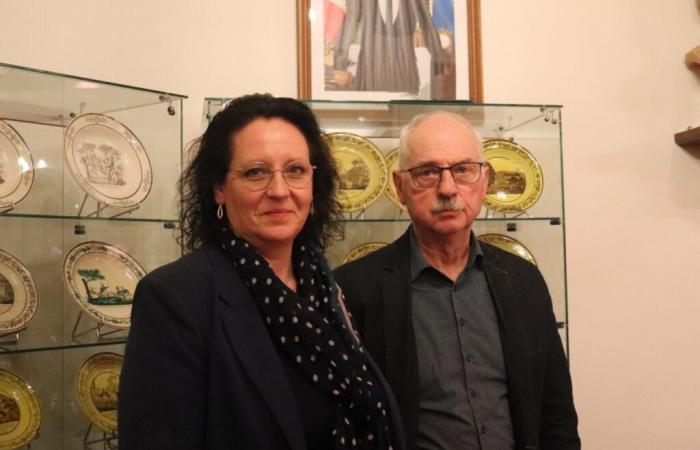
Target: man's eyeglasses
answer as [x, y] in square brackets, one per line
[258, 176]
[430, 176]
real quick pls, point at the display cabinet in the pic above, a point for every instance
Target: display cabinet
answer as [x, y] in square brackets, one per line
[88, 173]
[524, 211]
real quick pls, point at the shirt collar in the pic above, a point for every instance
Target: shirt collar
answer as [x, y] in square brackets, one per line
[420, 263]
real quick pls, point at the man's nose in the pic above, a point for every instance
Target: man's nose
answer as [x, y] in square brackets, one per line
[447, 185]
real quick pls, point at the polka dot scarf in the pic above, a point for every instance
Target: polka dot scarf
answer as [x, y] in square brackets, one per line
[309, 326]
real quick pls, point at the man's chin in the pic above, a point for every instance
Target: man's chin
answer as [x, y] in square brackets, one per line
[450, 227]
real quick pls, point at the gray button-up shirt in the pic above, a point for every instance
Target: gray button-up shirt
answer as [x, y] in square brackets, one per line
[462, 375]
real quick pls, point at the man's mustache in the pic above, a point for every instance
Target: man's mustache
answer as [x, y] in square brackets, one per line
[447, 204]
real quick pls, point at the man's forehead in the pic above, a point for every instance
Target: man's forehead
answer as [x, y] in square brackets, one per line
[443, 137]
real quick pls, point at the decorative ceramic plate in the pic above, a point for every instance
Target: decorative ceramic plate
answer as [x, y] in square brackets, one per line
[102, 279]
[18, 294]
[97, 384]
[107, 160]
[517, 180]
[508, 244]
[20, 413]
[16, 167]
[361, 168]
[392, 162]
[362, 250]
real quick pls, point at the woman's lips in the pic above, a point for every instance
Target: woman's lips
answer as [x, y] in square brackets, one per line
[278, 212]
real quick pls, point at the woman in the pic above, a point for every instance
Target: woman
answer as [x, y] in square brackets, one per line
[244, 343]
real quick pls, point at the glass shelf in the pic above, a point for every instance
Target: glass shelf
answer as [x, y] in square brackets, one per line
[49, 98]
[499, 119]
[79, 218]
[405, 219]
[88, 218]
[8, 348]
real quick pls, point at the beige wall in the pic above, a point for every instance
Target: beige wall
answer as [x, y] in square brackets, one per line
[632, 196]
[632, 201]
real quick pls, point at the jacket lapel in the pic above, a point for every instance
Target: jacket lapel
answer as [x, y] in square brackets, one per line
[250, 341]
[400, 354]
[514, 342]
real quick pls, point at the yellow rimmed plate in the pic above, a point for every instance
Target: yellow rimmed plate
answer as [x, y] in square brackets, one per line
[361, 168]
[517, 180]
[20, 413]
[392, 163]
[18, 294]
[102, 279]
[16, 167]
[508, 244]
[107, 160]
[362, 250]
[97, 385]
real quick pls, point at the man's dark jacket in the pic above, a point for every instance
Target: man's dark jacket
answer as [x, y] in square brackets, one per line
[377, 291]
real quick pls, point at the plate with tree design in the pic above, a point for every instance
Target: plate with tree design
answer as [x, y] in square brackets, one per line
[102, 279]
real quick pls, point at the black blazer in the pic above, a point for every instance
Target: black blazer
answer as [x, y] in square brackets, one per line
[377, 292]
[200, 370]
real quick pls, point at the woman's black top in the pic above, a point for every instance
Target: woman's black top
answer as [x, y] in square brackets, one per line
[315, 409]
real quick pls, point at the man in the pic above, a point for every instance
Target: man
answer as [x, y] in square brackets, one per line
[463, 331]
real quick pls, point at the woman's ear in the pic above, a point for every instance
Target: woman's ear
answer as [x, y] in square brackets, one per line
[219, 194]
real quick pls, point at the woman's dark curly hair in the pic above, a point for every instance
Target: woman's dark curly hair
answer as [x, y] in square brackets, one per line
[210, 165]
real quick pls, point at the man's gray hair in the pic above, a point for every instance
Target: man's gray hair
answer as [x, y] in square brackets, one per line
[418, 119]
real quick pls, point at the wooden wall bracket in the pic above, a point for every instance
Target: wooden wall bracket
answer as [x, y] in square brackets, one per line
[688, 138]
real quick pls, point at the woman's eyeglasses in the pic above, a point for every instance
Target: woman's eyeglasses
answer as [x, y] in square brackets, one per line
[258, 176]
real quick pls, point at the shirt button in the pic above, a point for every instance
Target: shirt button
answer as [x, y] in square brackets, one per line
[462, 322]
[483, 429]
[472, 393]
[468, 358]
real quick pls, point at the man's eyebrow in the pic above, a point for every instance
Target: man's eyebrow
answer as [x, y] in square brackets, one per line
[434, 163]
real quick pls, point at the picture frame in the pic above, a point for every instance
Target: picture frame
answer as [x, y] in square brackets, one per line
[332, 64]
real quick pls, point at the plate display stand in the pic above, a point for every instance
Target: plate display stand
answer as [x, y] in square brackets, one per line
[10, 339]
[109, 441]
[98, 164]
[101, 208]
[493, 214]
[102, 331]
[533, 177]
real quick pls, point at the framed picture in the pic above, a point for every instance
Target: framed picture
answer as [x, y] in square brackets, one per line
[389, 50]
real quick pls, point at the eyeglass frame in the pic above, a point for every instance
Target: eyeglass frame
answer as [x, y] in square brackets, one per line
[272, 175]
[411, 171]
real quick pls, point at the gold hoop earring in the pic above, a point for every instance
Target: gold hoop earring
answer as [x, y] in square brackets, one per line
[220, 211]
